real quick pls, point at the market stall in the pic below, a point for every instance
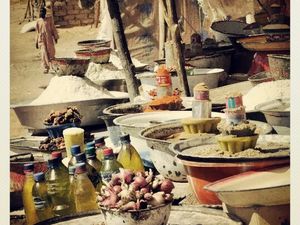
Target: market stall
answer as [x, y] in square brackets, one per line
[188, 138]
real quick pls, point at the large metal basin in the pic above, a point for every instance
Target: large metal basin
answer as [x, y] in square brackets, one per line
[32, 116]
[163, 158]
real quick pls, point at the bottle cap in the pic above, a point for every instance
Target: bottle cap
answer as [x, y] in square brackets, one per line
[72, 170]
[125, 138]
[99, 140]
[90, 144]
[80, 168]
[108, 151]
[80, 157]
[75, 149]
[56, 154]
[53, 163]
[28, 167]
[39, 177]
[90, 151]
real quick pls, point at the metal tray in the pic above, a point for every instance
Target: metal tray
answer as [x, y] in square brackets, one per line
[181, 147]
[32, 116]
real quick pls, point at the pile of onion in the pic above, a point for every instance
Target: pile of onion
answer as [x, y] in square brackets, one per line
[135, 191]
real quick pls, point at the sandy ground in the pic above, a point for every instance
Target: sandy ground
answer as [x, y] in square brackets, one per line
[26, 77]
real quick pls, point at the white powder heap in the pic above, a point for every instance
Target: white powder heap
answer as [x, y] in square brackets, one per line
[100, 72]
[116, 61]
[73, 88]
[265, 92]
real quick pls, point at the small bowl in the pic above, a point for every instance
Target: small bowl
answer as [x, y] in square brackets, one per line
[277, 112]
[90, 44]
[200, 125]
[99, 55]
[55, 131]
[260, 78]
[70, 66]
[154, 216]
[235, 144]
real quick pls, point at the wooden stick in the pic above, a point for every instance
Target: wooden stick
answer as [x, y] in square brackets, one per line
[123, 52]
[162, 28]
[97, 13]
[177, 49]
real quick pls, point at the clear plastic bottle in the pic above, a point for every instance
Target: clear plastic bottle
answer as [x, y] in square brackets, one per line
[92, 160]
[75, 149]
[85, 195]
[110, 165]
[100, 146]
[128, 155]
[41, 198]
[92, 172]
[29, 208]
[59, 189]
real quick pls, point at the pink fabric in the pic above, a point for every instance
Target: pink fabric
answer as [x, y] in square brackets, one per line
[46, 34]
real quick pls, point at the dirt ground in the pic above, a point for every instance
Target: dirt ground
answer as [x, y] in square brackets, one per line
[26, 75]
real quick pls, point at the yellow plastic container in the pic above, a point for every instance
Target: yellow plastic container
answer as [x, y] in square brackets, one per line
[233, 144]
[201, 125]
[73, 136]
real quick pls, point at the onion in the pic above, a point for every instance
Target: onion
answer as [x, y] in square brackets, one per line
[167, 186]
[117, 189]
[126, 175]
[140, 181]
[157, 199]
[129, 206]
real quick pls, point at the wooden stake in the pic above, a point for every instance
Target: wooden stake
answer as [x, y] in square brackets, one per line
[96, 13]
[162, 30]
[172, 22]
[123, 52]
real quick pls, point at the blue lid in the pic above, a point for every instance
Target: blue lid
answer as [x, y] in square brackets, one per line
[75, 149]
[39, 177]
[28, 167]
[90, 151]
[53, 163]
[72, 170]
[90, 144]
[80, 157]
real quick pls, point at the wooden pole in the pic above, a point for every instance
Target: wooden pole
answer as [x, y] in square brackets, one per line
[172, 22]
[123, 52]
[96, 13]
[162, 30]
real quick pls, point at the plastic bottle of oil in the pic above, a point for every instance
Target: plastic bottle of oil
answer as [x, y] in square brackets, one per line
[92, 172]
[75, 149]
[100, 146]
[110, 165]
[128, 155]
[41, 198]
[92, 160]
[30, 212]
[85, 195]
[59, 189]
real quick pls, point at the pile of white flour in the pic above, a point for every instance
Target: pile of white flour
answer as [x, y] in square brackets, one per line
[101, 72]
[265, 92]
[73, 88]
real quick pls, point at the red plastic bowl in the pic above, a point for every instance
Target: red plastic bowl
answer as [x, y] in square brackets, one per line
[203, 173]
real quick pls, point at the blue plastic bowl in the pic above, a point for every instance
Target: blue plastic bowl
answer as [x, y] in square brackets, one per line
[57, 130]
